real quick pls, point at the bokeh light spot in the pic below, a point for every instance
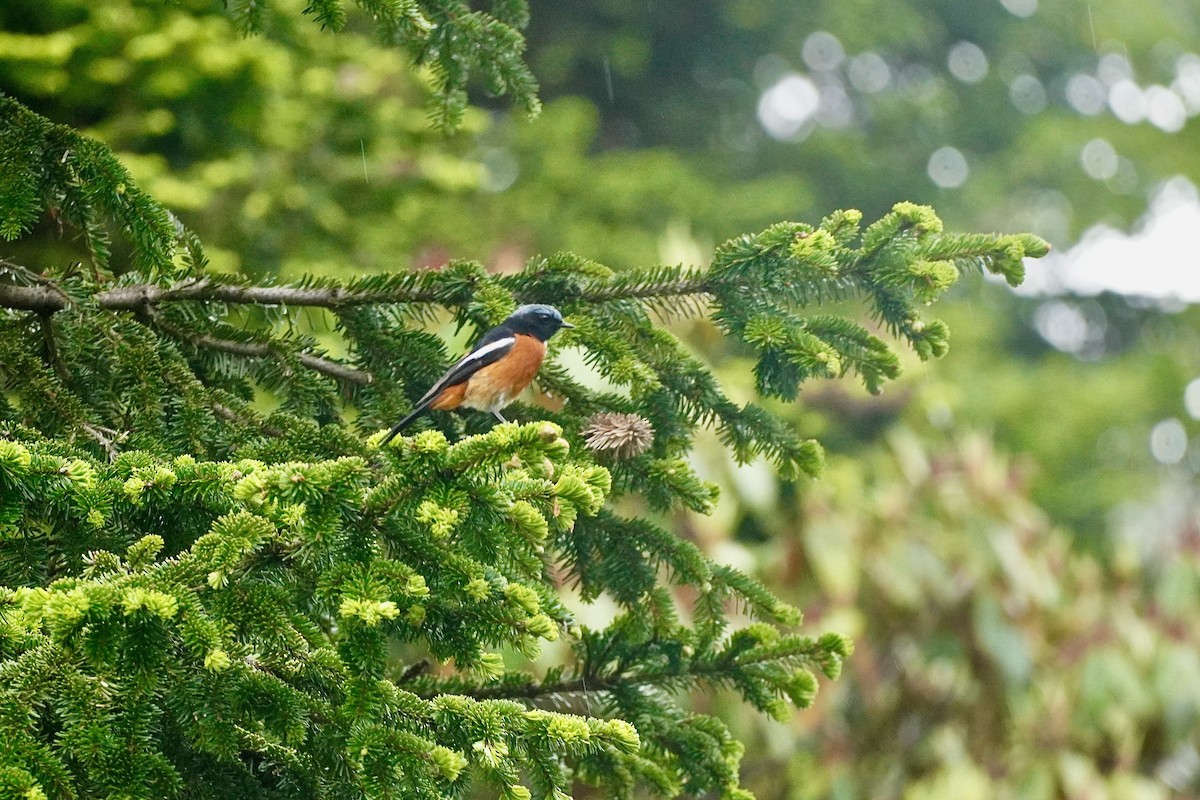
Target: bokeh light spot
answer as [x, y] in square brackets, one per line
[1187, 81]
[1027, 94]
[836, 109]
[967, 62]
[1020, 8]
[1099, 159]
[1191, 399]
[1128, 102]
[822, 51]
[1075, 328]
[948, 168]
[869, 73]
[1086, 94]
[1165, 109]
[785, 108]
[1168, 441]
[1114, 68]
[501, 169]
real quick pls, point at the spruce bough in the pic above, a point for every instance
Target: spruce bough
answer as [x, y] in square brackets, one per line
[203, 599]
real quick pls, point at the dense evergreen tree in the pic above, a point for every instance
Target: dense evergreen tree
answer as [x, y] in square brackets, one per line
[206, 598]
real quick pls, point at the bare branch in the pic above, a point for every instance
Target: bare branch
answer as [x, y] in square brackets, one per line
[44, 298]
[126, 298]
[325, 366]
[228, 414]
[107, 437]
[260, 350]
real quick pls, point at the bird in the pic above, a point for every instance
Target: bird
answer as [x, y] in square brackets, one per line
[497, 369]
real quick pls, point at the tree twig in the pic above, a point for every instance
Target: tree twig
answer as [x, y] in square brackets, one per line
[592, 684]
[261, 350]
[324, 366]
[107, 437]
[228, 414]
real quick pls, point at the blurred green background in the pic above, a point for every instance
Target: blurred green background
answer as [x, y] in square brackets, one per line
[1010, 534]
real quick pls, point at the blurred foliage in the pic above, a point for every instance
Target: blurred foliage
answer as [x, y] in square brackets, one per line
[257, 143]
[1018, 87]
[298, 152]
[992, 660]
[1085, 418]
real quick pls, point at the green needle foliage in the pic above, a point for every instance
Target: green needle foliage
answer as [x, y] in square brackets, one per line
[450, 38]
[203, 599]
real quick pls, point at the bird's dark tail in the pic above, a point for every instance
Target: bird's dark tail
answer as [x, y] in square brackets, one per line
[402, 424]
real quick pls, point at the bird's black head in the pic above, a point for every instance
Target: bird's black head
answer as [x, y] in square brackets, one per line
[537, 320]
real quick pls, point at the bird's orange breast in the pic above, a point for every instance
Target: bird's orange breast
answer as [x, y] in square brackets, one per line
[496, 385]
[450, 397]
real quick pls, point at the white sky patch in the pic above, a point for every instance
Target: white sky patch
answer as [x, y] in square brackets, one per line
[1157, 261]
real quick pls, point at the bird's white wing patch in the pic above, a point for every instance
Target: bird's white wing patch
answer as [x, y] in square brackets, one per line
[482, 353]
[469, 364]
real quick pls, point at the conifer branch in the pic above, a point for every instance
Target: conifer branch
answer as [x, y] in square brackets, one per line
[695, 283]
[715, 670]
[48, 298]
[229, 415]
[999, 254]
[127, 298]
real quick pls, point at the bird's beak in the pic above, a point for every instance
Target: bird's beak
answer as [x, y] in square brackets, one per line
[566, 324]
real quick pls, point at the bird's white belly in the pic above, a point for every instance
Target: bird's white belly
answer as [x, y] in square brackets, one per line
[479, 402]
